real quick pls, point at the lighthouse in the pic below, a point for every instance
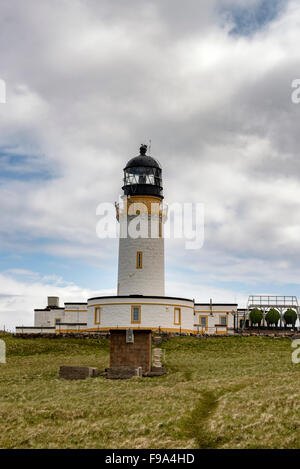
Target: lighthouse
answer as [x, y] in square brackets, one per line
[141, 267]
[140, 303]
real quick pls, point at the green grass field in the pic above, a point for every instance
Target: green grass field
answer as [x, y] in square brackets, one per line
[219, 393]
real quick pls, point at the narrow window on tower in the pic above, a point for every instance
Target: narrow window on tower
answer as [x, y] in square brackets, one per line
[135, 315]
[177, 316]
[139, 260]
[97, 315]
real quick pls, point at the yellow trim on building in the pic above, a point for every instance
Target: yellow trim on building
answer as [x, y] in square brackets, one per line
[177, 308]
[206, 321]
[144, 304]
[222, 312]
[139, 260]
[97, 316]
[140, 319]
[226, 317]
[151, 204]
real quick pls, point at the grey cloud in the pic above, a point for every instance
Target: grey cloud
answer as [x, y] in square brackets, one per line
[88, 81]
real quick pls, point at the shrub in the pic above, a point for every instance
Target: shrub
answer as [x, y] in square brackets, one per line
[256, 316]
[272, 317]
[290, 317]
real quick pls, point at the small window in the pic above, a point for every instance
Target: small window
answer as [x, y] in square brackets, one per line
[139, 260]
[223, 320]
[203, 322]
[177, 316]
[135, 314]
[57, 321]
[97, 315]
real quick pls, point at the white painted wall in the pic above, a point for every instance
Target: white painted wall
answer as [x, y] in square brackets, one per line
[31, 330]
[214, 317]
[148, 281]
[75, 314]
[70, 314]
[45, 318]
[155, 313]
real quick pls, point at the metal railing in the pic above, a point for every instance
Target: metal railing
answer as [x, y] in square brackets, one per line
[272, 301]
[265, 303]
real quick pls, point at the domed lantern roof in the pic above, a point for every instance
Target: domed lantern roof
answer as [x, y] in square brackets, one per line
[143, 175]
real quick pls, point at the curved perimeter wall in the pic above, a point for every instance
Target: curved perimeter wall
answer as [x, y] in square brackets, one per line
[169, 314]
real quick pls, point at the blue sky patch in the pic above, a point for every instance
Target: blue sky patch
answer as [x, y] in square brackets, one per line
[24, 167]
[250, 19]
[41, 267]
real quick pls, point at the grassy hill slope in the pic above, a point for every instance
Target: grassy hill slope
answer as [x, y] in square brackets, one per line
[219, 393]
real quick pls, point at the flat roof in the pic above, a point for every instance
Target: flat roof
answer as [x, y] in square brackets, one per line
[142, 296]
[71, 324]
[35, 327]
[216, 304]
[72, 304]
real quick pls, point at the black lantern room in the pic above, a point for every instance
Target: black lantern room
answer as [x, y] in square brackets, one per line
[143, 176]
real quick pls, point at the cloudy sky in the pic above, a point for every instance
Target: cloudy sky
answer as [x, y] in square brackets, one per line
[208, 82]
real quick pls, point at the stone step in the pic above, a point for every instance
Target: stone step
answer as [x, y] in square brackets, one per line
[77, 372]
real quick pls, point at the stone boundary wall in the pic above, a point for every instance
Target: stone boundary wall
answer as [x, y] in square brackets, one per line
[70, 335]
[165, 336]
[284, 334]
[106, 335]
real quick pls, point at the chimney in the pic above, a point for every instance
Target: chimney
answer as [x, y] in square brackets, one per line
[53, 301]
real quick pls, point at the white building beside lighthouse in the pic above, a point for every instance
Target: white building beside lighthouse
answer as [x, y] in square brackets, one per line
[140, 300]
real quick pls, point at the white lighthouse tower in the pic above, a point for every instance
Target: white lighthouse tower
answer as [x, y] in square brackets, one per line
[141, 249]
[140, 302]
